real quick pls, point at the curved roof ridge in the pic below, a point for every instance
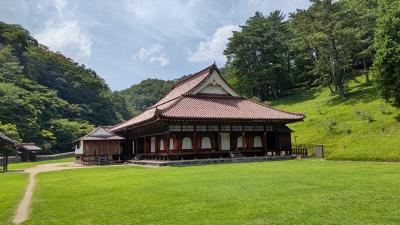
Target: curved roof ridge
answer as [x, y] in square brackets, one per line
[172, 105]
[206, 95]
[191, 76]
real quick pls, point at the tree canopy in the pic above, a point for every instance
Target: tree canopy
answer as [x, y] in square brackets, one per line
[325, 44]
[387, 44]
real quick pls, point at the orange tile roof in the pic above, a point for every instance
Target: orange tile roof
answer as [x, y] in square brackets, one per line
[223, 107]
[181, 104]
[179, 89]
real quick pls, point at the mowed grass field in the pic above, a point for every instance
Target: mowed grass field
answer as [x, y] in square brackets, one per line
[25, 165]
[12, 187]
[279, 192]
[360, 127]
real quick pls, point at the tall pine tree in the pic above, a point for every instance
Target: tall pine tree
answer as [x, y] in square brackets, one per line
[387, 45]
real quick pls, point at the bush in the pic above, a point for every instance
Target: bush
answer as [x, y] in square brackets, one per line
[363, 115]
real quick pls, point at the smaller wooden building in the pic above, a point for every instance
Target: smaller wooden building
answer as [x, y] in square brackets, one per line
[28, 152]
[6, 144]
[100, 144]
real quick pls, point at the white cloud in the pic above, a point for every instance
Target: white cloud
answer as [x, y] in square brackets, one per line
[212, 49]
[65, 35]
[154, 53]
[60, 5]
[171, 19]
[68, 38]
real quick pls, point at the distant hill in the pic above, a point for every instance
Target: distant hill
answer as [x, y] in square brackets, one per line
[360, 127]
[140, 96]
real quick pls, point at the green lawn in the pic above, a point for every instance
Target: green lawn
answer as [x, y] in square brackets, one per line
[360, 127]
[12, 187]
[280, 192]
[24, 165]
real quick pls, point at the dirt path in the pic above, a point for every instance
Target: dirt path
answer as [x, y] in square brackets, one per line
[22, 212]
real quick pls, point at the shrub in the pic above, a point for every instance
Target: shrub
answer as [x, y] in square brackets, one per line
[363, 115]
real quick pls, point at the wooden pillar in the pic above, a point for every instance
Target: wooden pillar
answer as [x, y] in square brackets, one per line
[265, 142]
[277, 144]
[136, 146]
[166, 143]
[144, 144]
[219, 142]
[244, 147]
[126, 145]
[195, 142]
[178, 143]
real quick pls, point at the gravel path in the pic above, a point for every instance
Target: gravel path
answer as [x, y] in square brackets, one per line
[22, 212]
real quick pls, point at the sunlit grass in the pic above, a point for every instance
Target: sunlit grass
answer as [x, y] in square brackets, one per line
[24, 165]
[12, 186]
[285, 192]
[360, 127]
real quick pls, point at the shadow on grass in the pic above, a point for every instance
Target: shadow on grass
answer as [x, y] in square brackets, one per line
[299, 95]
[358, 94]
[397, 118]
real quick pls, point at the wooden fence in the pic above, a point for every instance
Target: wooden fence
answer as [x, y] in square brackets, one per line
[300, 151]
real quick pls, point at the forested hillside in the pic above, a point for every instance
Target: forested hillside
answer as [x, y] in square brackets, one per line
[336, 61]
[47, 98]
[140, 96]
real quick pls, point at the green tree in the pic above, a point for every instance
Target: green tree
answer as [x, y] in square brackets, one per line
[326, 30]
[387, 45]
[258, 56]
[67, 131]
[364, 16]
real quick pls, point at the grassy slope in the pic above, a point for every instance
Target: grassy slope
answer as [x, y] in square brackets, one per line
[12, 186]
[352, 138]
[286, 192]
[24, 165]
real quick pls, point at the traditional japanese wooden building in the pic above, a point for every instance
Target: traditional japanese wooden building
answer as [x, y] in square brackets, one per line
[99, 145]
[5, 143]
[203, 116]
[28, 152]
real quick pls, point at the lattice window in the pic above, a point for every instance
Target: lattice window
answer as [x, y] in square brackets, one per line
[153, 144]
[186, 143]
[174, 127]
[205, 143]
[240, 142]
[171, 144]
[257, 143]
[236, 128]
[201, 128]
[225, 128]
[258, 128]
[161, 144]
[213, 128]
[187, 128]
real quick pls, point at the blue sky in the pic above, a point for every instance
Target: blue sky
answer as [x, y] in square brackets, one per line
[127, 41]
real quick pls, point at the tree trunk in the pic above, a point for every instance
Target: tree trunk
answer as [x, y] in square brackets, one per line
[330, 88]
[366, 71]
[340, 83]
[341, 89]
[274, 93]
